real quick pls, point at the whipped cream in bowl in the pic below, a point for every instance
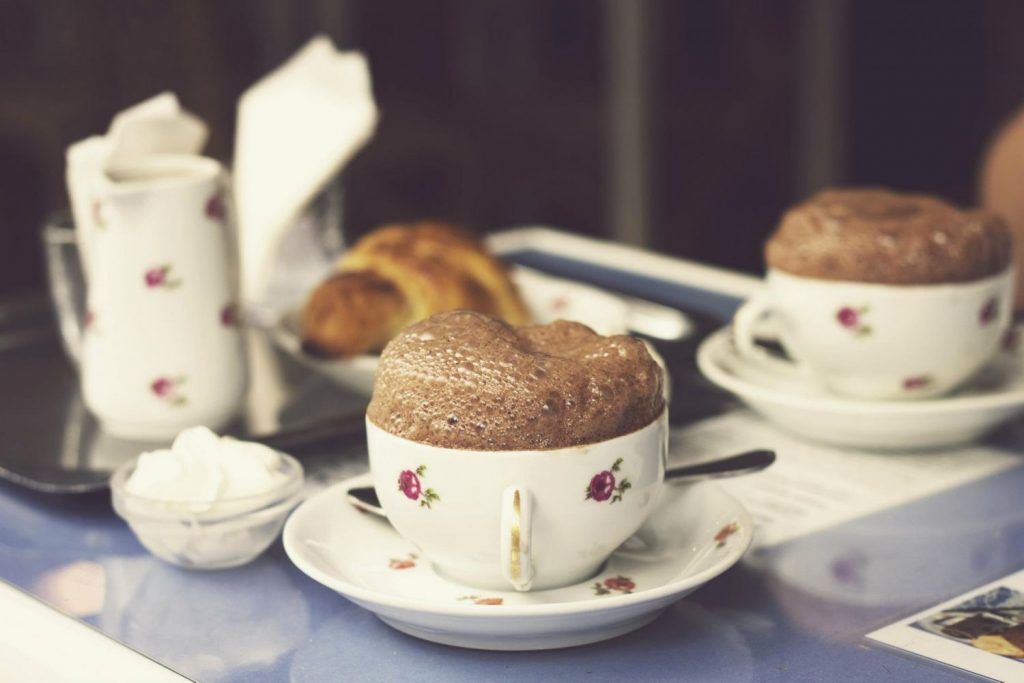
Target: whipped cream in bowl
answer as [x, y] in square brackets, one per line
[207, 502]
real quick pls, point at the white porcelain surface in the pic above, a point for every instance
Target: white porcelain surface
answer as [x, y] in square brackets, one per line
[695, 533]
[547, 298]
[161, 348]
[584, 501]
[882, 341]
[803, 406]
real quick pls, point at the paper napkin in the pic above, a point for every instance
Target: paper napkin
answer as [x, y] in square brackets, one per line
[156, 126]
[297, 128]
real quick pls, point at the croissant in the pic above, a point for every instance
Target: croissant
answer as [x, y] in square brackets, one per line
[398, 275]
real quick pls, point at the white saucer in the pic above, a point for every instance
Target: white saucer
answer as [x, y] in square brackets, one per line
[547, 298]
[695, 533]
[798, 404]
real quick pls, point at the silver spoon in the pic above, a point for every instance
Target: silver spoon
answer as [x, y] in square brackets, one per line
[365, 497]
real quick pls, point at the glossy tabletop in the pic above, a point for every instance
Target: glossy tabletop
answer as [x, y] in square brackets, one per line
[776, 616]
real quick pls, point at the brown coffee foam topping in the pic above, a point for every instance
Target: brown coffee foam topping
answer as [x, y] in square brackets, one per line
[464, 380]
[870, 235]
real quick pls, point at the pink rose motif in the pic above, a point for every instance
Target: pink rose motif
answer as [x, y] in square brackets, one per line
[407, 562]
[559, 303]
[988, 312]
[725, 532]
[847, 317]
[229, 315]
[917, 382]
[97, 214]
[160, 276]
[602, 486]
[162, 387]
[215, 208]
[620, 583]
[167, 390]
[155, 277]
[477, 600]
[853, 319]
[1011, 340]
[409, 484]
[489, 601]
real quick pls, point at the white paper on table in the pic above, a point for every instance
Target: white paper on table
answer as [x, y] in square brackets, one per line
[922, 633]
[813, 486]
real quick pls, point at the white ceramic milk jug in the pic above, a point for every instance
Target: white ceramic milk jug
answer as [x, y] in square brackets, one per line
[159, 344]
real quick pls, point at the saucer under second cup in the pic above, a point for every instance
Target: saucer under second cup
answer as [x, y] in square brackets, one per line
[798, 404]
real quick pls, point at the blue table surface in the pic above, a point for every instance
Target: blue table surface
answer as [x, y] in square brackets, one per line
[763, 620]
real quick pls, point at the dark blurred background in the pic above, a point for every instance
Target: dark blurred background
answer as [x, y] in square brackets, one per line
[684, 125]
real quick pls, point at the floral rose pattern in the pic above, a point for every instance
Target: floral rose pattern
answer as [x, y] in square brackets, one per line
[1011, 340]
[168, 390]
[603, 485]
[161, 276]
[916, 382]
[559, 303]
[725, 532]
[97, 214]
[407, 562]
[489, 601]
[989, 312]
[852, 319]
[618, 584]
[215, 209]
[229, 315]
[409, 484]
[477, 600]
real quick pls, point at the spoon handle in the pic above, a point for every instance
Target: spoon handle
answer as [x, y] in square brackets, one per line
[741, 463]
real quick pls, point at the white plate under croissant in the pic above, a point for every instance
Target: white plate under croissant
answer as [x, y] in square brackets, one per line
[547, 298]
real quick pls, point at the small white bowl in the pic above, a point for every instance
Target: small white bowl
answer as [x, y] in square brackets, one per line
[229, 534]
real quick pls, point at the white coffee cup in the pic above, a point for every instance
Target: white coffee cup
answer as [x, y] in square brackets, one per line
[160, 347]
[876, 341]
[532, 519]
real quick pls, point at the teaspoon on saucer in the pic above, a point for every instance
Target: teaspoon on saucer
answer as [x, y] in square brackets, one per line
[365, 497]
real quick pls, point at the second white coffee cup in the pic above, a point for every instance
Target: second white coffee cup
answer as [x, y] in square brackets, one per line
[529, 519]
[876, 341]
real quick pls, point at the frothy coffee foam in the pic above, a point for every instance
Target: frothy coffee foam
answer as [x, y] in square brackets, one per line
[870, 235]
[464, 380]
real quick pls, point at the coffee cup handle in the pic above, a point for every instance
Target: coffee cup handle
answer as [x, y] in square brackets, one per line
[517, 537]
[743, 323]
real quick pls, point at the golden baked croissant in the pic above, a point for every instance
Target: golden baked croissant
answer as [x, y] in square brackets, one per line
[398, 275]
